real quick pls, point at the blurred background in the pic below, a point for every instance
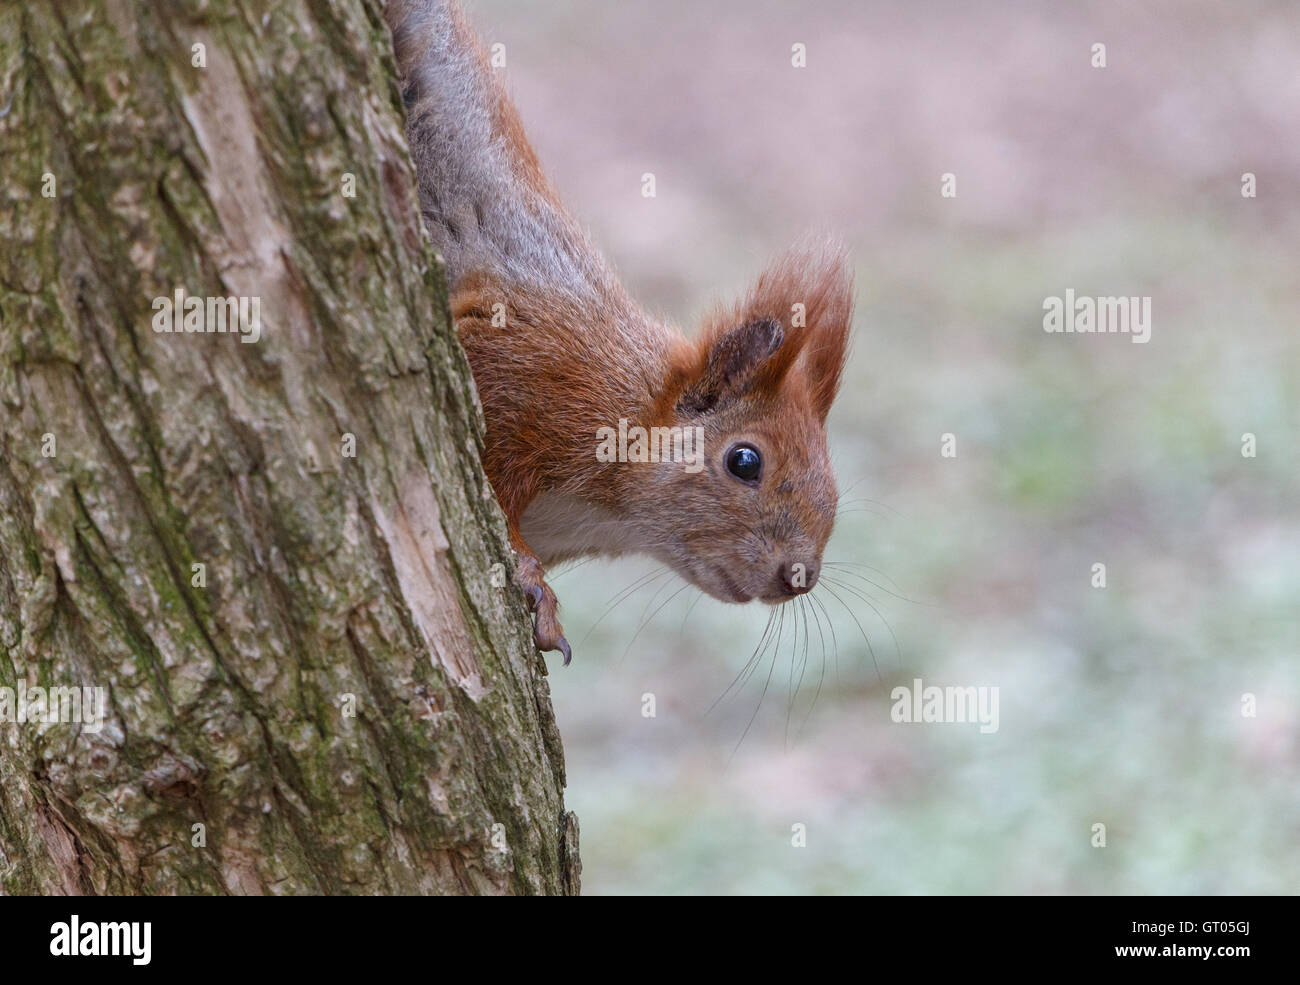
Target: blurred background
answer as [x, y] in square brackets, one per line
[1120, 706]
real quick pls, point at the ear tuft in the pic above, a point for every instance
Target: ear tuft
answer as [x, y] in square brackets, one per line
[794, 326]
[827, 284]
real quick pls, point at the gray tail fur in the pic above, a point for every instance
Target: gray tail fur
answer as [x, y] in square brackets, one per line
[482, 194]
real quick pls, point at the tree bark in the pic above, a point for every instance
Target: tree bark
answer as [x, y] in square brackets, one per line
[281, 560]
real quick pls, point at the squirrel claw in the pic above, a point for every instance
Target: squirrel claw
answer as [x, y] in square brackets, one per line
[547, 632]
[547, 635]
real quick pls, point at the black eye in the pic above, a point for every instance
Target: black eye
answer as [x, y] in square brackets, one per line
[745, 463]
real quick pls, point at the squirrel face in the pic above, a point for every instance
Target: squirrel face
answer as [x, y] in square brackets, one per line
[753, 522]
[757, 517]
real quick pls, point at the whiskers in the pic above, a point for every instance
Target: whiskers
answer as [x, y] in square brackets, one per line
[802, 634]
[799, 640]
[649, 578]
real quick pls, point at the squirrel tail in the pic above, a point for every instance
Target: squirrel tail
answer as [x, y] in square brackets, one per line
[485, 201]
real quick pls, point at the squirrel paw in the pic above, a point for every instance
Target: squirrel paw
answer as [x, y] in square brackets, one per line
[548, 634]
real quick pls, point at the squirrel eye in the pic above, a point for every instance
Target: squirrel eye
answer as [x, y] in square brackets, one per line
[745, 463]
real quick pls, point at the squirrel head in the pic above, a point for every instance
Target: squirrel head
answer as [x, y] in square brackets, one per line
[758, 384]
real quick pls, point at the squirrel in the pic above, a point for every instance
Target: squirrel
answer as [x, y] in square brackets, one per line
[576, 355]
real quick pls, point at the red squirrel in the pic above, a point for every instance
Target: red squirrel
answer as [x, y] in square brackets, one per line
[576, 355]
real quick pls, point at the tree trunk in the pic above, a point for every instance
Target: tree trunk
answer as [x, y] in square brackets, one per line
[280, 559]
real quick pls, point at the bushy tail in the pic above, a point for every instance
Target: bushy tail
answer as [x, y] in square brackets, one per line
[485, 200]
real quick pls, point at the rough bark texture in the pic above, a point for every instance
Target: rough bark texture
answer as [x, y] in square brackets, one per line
[384, 576]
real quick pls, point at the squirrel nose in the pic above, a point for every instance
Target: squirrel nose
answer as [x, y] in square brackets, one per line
[797, 577]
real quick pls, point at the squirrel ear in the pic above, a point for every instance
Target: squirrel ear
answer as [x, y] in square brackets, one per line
[829, 316]
[796, 317]
[734, 362]
[811, 290]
